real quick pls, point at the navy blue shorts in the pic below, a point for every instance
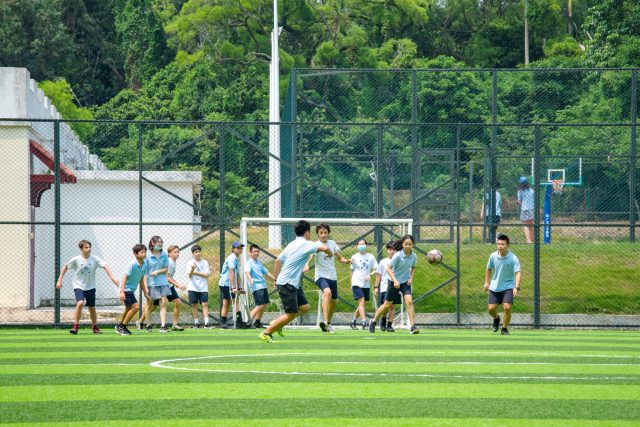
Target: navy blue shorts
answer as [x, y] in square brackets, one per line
[170, 297]
[196, 297]
[225, 292]
[291, 297]
[323, 284]
[88, 296]
[393, 294]
[359, 292]
[129, 298]
[261, 296]
[381, 297]
[501, 297]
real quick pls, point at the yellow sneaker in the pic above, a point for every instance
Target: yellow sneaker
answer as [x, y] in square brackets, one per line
[266, 338]
[280, 332]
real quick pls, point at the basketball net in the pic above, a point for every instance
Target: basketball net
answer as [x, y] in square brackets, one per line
[558, 186]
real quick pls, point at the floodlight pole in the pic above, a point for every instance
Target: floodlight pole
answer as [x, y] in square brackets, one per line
[275, 209]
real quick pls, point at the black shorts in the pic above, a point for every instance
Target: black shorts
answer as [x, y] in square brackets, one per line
[393, 294]
[88, 296]
[501, 297]
[261, 296]
[225, 292]
[292, 298]
[359, 292]
[196, 297]
[173, 295]
[323, 284]
[129, 298]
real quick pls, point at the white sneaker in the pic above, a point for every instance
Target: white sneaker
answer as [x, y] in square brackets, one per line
[331, 330]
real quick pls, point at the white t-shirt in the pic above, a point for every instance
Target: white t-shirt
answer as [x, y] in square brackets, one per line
[198, 283]
[293, 258]
[84, 271]
[326, 265]
[362, 265]
[384, 276]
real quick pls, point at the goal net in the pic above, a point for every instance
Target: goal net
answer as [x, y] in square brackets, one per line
[347, 233]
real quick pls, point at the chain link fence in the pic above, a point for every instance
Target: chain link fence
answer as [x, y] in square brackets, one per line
[356, 145]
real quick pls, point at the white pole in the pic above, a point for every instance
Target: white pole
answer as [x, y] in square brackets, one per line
[275, 235]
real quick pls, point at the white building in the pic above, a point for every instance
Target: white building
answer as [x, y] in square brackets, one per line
[89, 194]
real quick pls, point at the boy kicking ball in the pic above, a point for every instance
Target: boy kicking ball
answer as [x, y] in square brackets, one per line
[503, 269]
[84, 267]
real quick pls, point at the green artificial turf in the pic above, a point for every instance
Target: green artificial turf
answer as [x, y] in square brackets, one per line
[439, 377]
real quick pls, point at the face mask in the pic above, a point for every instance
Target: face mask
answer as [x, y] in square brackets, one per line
[157, 248]
[362, 248]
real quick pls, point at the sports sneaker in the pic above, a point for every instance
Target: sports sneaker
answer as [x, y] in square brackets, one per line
[280, 332]
[258, 324]
[120, 329]
[496, 324]
[390, 328]
[139, 325]
[175, 327]
[149, 328]
[96, 329]
[383, 324]
[331, 330]
[372, 326]
[164, 329]
[126, 330]
[196, 326]
[323, 327]
[414, 330]
[208, 326]
[504, 331]
[264, 337]
[224, 326]
[354, 323]
[73, 331]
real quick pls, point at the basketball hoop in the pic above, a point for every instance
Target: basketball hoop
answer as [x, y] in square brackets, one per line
[558, 185]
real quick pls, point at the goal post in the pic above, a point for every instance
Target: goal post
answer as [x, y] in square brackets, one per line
[346, 232]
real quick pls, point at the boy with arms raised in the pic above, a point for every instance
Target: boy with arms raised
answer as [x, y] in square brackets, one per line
[288, 273]
[502, 280]
[84, 268]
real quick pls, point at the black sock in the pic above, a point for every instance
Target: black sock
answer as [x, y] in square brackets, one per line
[383, 321]
[238, 316]
[223, 320]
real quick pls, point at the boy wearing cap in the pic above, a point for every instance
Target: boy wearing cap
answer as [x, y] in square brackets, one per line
[198, 288]
[229, 281]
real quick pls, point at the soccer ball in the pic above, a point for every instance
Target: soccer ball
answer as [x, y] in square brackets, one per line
[434, 256]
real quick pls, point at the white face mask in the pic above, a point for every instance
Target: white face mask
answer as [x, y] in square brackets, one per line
[362, 248]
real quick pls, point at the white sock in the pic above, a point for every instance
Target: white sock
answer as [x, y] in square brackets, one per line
[196, 320]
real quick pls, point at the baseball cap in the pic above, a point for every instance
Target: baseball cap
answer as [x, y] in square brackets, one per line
[523, 180]
[236, 244]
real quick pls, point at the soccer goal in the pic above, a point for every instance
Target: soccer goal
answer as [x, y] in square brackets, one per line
[347, 233]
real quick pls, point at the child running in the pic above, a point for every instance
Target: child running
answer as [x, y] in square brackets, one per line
[288, 273]
[136, 275]
[362, 265]
[382, 281]
[401, 271]
[84, 268]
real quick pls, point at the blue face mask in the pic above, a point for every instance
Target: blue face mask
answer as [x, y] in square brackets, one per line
[157, 248]
[362, 248]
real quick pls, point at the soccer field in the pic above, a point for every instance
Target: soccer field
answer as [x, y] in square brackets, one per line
[352, 378]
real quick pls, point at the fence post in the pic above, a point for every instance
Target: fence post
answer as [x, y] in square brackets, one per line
[457, 187]
[378, 199]
[221, 172]
[491, 203]
[536, 226]
[416, 156]
[57, 230]
[294, 143]
[140, 218]
[633, 156]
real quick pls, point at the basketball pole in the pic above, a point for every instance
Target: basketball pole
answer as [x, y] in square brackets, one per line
[275, 207]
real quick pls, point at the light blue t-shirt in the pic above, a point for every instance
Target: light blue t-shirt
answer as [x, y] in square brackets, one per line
[172, 267]
[402, 264]
[293, 258]
[498, 204]
[526, 198]
[257, 271]
[155, 263]
[230, 263]
[504, 271]
[135, 273]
